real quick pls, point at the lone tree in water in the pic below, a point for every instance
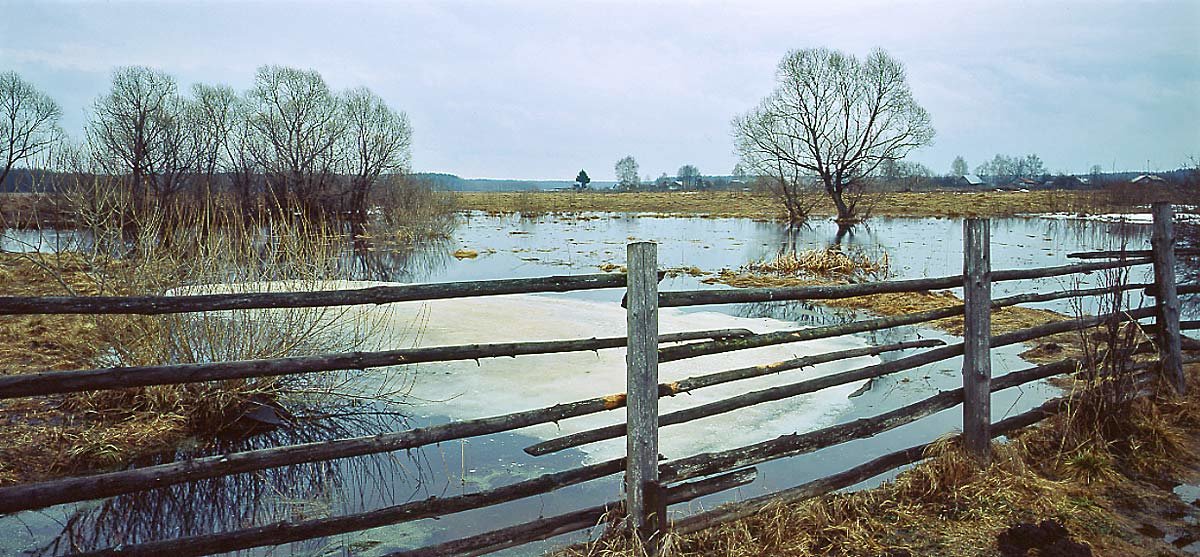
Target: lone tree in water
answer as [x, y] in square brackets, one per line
[582, 180]
[833, 119]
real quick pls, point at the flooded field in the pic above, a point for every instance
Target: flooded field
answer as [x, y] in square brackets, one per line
[508, 247]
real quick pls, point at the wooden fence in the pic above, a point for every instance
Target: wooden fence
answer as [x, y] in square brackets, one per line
[650, 485]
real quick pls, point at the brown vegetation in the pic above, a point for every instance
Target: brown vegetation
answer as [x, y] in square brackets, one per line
[49, 436]
[765, 207]
[1103, 468]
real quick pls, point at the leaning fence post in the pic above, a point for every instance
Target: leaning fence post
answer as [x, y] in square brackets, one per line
[643, 504]
[977, 332]
[1162, 241]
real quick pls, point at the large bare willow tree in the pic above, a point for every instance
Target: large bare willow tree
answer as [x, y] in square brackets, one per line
[378, 141]
[831, 122]
[28, 122]
[140, 132]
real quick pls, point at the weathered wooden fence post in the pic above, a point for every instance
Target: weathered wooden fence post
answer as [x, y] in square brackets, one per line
[977, 332]
[1162, 241]
[647, 515]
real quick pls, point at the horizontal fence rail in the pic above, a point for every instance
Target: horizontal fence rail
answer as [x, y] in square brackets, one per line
[1114, 254]
[864, 325]
[159, 305]
[797, 444]
[53, 382]
[772, 294]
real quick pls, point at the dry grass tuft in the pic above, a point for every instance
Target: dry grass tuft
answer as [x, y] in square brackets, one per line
[832, 262]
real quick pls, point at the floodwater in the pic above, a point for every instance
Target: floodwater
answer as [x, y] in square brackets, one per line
[510, 247]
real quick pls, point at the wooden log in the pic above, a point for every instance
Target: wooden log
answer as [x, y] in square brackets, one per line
[796, 444]
[158, 305]
[52, 382]
[747, 295]
[693, 350]
[82, 488]
[816, 384]
[852, 476]
[1129, 254]
[513, 536]
[977, 332]
[692, 383]
[1180, 290]
[641, 386]
[290, 531]
[1162, 241]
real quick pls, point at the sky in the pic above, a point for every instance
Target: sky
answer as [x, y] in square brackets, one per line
[540, 89]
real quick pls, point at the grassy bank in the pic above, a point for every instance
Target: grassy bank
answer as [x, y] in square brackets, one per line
[44, 437]
[1102, 471]
[764, 207]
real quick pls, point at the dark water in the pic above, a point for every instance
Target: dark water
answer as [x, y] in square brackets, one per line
[512, 247]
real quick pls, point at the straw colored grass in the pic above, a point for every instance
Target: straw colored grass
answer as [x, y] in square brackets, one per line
[44, 437]
[1101, 478]
[763, 206]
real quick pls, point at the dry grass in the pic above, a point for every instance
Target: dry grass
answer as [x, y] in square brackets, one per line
[832, 266]
[1102, 484]
[833, 262]
[43, 437]
[765, 207]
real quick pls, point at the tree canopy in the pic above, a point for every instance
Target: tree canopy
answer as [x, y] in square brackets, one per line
[832, 119]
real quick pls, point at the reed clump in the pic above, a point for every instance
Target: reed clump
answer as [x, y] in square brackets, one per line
[43, 437]
[835, 262]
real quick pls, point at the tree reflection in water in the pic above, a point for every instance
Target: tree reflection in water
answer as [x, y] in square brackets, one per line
[298, 492]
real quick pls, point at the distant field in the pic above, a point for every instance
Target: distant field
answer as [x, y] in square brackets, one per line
[760, 206]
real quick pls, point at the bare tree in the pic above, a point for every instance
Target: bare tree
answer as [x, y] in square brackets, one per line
[297, 130]
[28, 122]
[379, 141]
[958, 167]
[215, 115]
[688, 175]
[139, 131]
[627, 173]
[833, 119]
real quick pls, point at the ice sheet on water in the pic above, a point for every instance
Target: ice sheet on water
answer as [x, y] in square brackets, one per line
[463, 390]
[468, 389]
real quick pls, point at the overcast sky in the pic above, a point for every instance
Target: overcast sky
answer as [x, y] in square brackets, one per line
[541, 89]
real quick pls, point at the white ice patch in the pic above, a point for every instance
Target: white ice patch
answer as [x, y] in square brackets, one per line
[1131, 218]
[464, 390]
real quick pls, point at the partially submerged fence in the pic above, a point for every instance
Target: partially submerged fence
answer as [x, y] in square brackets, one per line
[650, 485]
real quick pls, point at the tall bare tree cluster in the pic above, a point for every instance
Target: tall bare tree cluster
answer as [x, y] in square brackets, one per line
[831, 122]
[1006, 169]
[289, 143]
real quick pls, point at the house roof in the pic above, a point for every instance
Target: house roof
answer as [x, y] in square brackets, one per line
[972, 179]
[1147, 178]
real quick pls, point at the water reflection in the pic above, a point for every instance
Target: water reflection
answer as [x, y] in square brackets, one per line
[514, 246]
[297, 492]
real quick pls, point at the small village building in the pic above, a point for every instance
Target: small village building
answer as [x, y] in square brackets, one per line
[970, 180]
[1148, 180]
